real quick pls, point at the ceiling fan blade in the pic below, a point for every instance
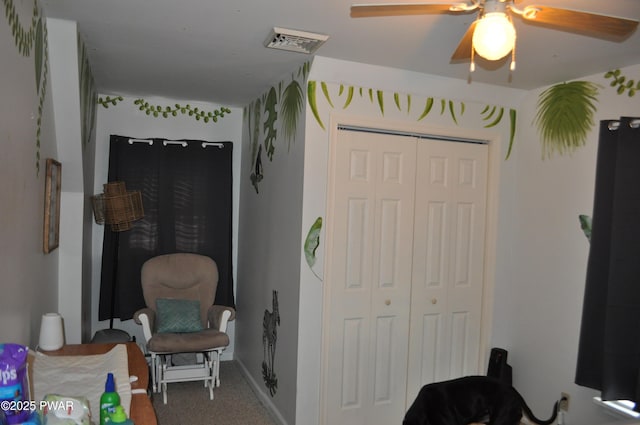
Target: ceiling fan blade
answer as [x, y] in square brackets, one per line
[591, 24]
[463, 51]
[396, 9]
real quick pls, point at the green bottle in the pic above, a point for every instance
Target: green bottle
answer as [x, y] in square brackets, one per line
[108, 400]
[119, 417]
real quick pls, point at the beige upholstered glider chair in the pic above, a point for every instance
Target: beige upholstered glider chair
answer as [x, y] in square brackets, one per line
[179, 291]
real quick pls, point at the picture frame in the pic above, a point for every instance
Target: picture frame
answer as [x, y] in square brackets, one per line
[53, 183]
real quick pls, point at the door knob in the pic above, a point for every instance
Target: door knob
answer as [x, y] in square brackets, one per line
[434, 301]
[387, 302]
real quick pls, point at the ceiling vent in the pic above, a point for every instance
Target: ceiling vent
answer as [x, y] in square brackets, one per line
[294, 41]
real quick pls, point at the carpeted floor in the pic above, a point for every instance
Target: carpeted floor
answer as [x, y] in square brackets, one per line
[234, 402]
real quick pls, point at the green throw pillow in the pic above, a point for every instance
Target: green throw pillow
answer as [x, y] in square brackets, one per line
[178, 316]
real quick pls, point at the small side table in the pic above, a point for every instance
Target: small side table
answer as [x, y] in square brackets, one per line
[142, 412]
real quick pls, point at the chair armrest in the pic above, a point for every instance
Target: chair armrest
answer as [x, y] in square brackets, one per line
[147, 318]
[219, 316]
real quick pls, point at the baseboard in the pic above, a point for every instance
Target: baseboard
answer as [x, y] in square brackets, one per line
[266, 401]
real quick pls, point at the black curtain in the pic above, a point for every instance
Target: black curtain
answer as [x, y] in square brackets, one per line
[187, 198]
[609, 349]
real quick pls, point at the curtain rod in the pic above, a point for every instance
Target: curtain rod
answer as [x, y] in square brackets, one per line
[176, 142]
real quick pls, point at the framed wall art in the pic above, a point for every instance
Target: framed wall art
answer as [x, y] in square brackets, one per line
[52, 186]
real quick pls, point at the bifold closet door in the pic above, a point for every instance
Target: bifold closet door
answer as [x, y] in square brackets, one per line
[371, 207]
[448, 262]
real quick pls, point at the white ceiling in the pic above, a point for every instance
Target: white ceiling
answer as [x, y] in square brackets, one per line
[212, 50]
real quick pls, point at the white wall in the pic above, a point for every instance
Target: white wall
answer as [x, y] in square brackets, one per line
[65, 92]
[541, 252]
[339, 76]
[270, 248]
[126, 119]
[539, 300]
[29, 283]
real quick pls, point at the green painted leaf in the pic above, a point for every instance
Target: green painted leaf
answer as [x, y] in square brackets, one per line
[255, 130]
[380, 97]
[427, 108]
[290, 109]
[512, 131]
[453, 112]
[408, 103]
[488, 116]
[349, 97]
[496, 120]
[585, 225]
[312, 242]
[270, 132]
[396, 99]
[443, 104]
[311, 97]
[39, 51]
[371, 95]
[325, 90]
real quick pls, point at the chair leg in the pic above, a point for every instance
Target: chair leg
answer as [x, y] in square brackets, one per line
[164, 392]
[216, 372]
[163, 372]
[163, 382]
[154, 372]
[209, 378]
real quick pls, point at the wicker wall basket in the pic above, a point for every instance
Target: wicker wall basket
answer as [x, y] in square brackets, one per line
[117, 207]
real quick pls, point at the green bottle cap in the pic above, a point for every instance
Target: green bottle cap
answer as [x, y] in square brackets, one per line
[119, 415]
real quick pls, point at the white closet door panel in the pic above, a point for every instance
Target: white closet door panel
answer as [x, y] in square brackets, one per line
[369, 278]
[464, 299]
[448, 261]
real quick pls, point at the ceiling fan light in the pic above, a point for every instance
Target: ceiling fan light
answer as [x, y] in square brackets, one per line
[494, 36]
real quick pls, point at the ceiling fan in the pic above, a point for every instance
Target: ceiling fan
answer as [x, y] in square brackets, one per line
[492, 35]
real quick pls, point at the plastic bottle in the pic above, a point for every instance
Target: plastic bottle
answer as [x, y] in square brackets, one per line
[119, 417]
[108, 400]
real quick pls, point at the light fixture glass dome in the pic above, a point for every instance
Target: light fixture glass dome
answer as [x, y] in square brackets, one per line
[494, 36]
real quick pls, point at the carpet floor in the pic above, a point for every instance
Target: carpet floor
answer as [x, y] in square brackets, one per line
[234, 402]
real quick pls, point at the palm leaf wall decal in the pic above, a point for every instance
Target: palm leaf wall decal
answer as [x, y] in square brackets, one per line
[565, 116]
[292, 103]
